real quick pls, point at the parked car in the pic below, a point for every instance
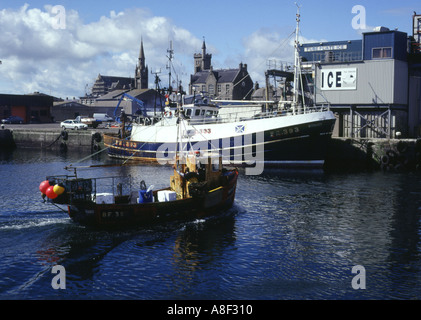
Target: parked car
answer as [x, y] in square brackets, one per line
[12, 119]
[103, 117]
[73, 124]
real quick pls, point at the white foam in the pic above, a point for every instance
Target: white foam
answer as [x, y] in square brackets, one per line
[33, 224]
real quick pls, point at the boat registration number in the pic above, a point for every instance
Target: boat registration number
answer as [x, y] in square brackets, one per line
[284, 132]
[203, 131]
[113, 215]
[126, 144]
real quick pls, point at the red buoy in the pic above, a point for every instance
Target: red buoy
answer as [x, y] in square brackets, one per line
[44, 186]
[50, 193]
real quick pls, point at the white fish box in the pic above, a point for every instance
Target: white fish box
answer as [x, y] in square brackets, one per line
[104, 198]
[166, 195]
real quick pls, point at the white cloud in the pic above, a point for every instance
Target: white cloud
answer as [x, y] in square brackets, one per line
[264, 45]
[266, 48]
[61, 62]
[38, 57]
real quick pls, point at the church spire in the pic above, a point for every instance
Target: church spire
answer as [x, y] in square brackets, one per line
[141, 75]
[141, 54]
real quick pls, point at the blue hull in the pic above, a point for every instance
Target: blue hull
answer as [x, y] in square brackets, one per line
[302, 145]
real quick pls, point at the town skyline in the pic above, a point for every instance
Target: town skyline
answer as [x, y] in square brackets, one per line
[60, 49]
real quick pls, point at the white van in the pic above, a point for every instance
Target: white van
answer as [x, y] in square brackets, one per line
[103, 117]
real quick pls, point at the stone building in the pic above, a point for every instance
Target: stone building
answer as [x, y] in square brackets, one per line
[106, 84]
[223, 84]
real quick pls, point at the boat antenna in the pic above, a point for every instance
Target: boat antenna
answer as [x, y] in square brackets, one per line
[178, 140]
[170, 56]
[157, 80]
[297, 64]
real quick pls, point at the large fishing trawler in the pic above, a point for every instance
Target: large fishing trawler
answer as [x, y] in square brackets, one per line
[287, 134]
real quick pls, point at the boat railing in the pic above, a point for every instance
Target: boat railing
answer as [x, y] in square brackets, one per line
[115, 186]
[90, 189]
[242, 115]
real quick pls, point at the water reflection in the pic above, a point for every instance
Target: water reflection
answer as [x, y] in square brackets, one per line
[339, 221]
[199, 248]
[291, 235]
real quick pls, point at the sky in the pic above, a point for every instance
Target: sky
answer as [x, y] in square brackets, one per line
[60, 47]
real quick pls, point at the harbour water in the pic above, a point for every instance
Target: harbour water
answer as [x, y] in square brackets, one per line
[290, 235]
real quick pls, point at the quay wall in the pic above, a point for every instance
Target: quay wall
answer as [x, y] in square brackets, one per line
[6, 139]
[344, 154]
[359, 154]
[58, 139]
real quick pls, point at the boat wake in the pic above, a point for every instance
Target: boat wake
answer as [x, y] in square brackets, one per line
[36, 223]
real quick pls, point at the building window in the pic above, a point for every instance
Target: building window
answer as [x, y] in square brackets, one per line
[227, 89]
[219, 89]
[382, 53]
[211, 89]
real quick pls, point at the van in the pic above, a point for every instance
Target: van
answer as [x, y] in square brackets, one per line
[103, 117]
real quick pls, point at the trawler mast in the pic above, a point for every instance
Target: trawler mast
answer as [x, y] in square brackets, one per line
[297, 65]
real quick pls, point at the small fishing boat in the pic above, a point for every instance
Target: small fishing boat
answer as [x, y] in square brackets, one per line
[199, 187]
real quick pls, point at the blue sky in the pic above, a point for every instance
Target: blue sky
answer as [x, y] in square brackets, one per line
[104, 36]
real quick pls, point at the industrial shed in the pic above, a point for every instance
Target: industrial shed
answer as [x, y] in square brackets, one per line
[374, 96]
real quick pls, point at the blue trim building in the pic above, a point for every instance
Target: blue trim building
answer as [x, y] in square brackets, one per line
[372, 85]
[350, 50]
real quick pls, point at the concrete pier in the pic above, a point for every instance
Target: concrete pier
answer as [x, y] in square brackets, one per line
[51, 137]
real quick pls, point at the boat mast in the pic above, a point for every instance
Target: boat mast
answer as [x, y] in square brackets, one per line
[170, 56]
[179, 141]
[297, 64]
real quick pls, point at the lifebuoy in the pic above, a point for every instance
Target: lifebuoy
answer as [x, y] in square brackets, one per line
[64, 135]
[385, 160]
[168, 113]
[97, 137]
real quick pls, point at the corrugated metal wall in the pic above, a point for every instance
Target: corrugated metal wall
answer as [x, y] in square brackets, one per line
[379, 82]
